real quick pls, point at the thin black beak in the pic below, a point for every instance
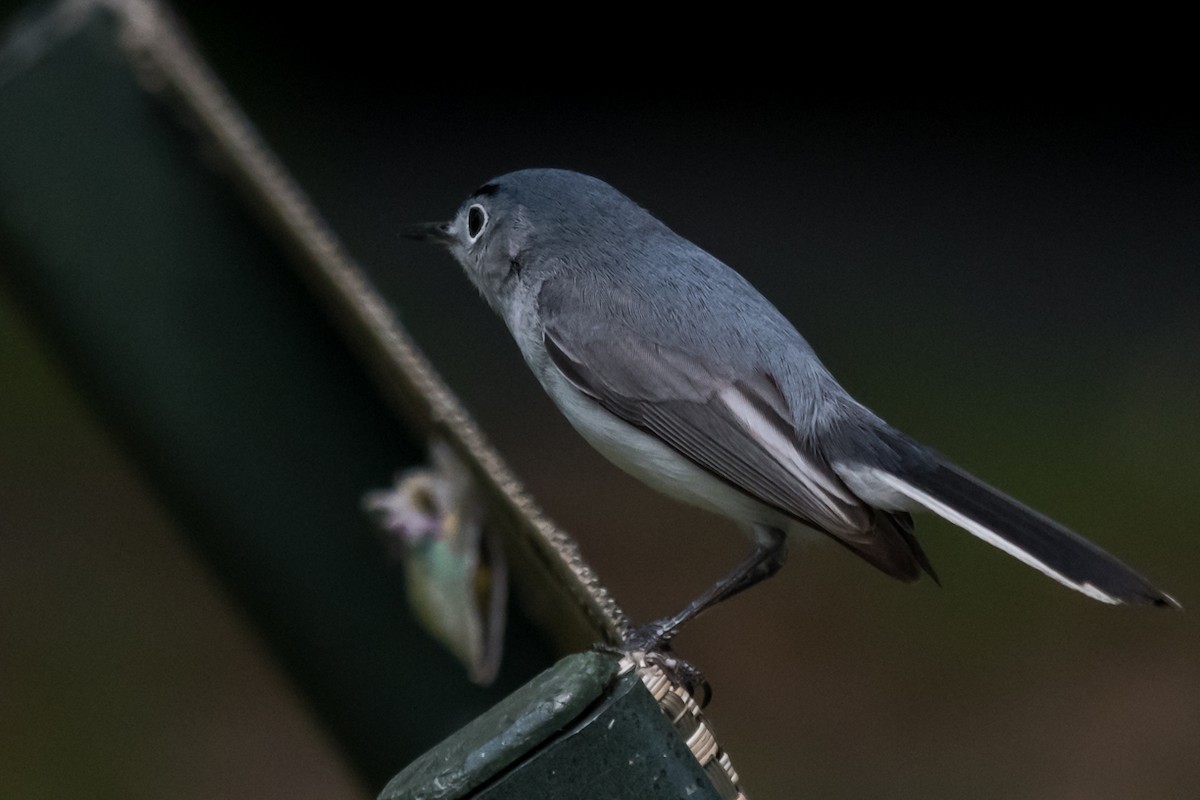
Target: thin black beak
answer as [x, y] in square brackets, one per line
[438, 232]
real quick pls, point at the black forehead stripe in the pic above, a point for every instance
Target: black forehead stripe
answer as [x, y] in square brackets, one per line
[487, 190]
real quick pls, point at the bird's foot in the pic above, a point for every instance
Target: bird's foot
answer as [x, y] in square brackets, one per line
[682, 673]
[650, 637]
[651, 644]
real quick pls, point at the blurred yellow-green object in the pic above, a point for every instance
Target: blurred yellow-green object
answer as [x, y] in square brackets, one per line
[455, 571]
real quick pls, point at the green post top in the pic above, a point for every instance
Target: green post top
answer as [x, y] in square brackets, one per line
[576, 730]
[506, 732]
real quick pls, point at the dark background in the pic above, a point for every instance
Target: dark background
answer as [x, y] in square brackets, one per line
[1010, 277]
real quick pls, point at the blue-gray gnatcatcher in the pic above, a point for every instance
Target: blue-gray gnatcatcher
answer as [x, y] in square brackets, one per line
[674, 367]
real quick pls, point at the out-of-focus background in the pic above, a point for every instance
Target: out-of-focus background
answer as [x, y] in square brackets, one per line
[1014, 282]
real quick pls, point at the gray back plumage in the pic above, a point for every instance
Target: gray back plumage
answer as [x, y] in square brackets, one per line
[600, 250]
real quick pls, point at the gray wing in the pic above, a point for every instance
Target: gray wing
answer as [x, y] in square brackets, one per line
[735, 426]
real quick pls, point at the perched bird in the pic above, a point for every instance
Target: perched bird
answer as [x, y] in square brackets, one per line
[674, 367]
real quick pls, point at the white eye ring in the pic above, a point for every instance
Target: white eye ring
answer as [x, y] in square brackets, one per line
[477, 219]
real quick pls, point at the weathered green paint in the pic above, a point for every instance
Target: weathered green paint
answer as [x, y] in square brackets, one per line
[570, 732]
[509, 731]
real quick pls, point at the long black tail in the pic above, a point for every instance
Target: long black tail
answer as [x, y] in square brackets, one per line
[1022, 532]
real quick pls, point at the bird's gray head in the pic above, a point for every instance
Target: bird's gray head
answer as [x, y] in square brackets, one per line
[518, 226]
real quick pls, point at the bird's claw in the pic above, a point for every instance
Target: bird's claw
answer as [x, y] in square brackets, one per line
[651, 644]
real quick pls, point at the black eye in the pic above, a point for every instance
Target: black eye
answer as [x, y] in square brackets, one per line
[476, 219]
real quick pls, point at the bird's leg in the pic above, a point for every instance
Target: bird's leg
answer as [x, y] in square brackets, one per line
[770, 551]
